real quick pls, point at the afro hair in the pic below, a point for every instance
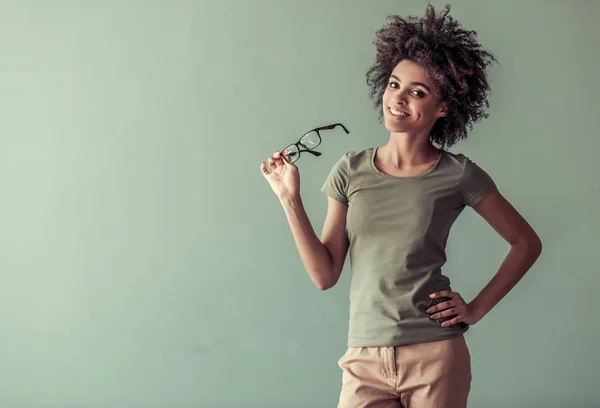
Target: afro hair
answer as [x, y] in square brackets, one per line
[453, 60]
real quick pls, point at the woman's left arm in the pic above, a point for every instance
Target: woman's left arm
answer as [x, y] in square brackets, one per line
[525, 249]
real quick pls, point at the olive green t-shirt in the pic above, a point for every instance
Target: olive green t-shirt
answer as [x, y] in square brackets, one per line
[397, 229]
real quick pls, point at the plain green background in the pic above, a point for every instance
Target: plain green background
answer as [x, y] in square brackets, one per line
[144, 260]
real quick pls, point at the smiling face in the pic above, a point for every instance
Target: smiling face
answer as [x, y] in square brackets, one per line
[409, 102]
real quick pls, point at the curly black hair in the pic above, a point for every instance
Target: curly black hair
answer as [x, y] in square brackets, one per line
[453, 60]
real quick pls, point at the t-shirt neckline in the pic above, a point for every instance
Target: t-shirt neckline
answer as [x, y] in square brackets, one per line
[416, 176]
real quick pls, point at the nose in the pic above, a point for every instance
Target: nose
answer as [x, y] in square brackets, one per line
[400, 98]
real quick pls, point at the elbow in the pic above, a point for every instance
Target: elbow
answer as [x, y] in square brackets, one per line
[323, 287]
[532, 244]
[539, 242]
[325, 281]
[535, 244]
[324, 284]
[537, 247]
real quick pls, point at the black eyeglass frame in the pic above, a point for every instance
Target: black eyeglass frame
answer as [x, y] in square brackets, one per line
[307, 149]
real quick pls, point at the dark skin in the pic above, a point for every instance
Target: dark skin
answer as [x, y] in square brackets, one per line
[458, 72]
[409, 151]
[525, 248]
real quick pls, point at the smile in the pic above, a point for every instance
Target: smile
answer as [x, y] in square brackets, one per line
[398, 113]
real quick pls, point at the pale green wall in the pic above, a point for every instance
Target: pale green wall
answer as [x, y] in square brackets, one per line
[145, 262]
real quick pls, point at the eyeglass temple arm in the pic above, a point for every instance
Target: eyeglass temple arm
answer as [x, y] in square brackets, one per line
[311, 152]
[331, 127]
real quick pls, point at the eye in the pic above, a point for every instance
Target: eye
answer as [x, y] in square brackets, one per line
[415, 92]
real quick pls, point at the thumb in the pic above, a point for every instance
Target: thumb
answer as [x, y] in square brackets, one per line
[291, 167]
[288, 165]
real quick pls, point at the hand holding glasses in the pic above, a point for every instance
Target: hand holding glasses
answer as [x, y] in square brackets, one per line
[284, 178]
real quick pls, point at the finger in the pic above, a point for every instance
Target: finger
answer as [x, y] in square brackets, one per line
[445, 313]
[441, 306]
[278, 158]
[451, 322]
[443, 293]
[272, 164]
[263, 169]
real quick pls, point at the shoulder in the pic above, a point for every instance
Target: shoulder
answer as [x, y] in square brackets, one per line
[356, 158]
[462, 164]
[473, 181]
[458, 160]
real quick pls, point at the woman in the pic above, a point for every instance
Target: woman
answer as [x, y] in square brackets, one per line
[392, 208]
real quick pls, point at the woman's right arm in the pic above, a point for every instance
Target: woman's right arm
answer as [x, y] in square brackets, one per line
[323, 258]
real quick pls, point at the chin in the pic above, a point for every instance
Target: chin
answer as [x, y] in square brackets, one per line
[399, 130]
[397, 127]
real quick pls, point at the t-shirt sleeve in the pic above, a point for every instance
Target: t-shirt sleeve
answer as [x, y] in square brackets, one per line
[476, 183]
[336, 183]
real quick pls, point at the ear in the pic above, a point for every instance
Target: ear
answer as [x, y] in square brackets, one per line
[443, 109]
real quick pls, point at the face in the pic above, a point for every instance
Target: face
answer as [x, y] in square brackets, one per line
[409, 102]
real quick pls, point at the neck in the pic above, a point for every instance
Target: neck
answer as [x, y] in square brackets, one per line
[405, 152]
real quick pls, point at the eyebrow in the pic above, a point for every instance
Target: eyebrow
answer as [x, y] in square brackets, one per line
[412, 83]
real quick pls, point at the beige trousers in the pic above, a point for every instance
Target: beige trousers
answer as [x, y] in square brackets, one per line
[425, 375]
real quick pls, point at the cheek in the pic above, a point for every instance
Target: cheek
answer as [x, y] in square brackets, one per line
[385, 96]
[427, 110]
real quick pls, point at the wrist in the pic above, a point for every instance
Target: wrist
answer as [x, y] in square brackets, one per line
[477, 310]
[290, 201]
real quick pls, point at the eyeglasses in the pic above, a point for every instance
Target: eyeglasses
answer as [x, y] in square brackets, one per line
[308, 141]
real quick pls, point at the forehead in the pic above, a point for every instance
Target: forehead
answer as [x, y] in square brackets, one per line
[408, 70]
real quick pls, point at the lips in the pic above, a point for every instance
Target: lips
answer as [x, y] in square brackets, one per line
[404, 113]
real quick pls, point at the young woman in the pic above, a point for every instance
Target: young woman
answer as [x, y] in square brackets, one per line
[392, 208]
